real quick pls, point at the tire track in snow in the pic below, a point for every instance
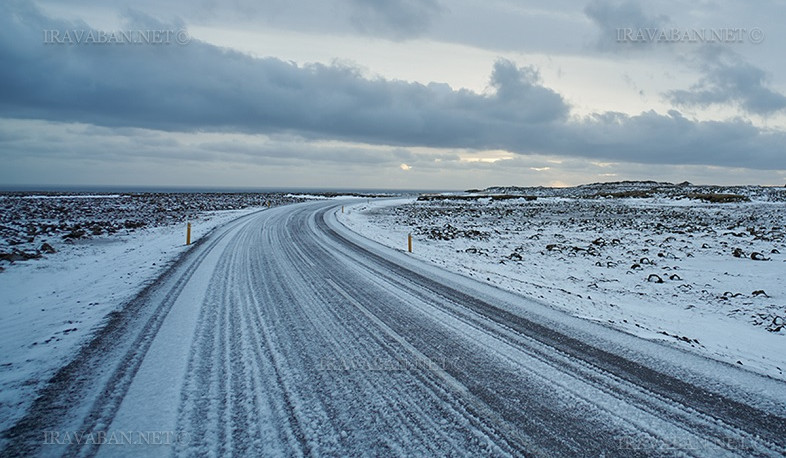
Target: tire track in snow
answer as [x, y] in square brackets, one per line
[279, 329]
[231, 340]
[85, 394]
[686, 419]
[728, 422]
[438, 384]
[289, 296]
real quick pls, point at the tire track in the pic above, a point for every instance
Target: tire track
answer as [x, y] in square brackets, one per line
[758, 430]
[295, 347]
[277, 327]
[99, 376]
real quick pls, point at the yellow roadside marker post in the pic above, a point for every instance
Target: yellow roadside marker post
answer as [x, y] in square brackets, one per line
[188, 234]
[409, 242]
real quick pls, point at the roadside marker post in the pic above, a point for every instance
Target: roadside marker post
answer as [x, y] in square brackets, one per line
[409, 242]
[188, 234]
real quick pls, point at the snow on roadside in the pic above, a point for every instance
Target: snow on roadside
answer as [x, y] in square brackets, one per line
[53, 305]
[658, 268]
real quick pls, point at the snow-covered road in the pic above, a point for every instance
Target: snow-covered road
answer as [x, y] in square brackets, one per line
[284, 333]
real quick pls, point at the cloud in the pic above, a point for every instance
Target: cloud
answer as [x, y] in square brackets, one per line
[203, 88]
[729, 79]
[391, 19]
[397, 19]
[519, 89]
[611, 16]
[651, 138]
[200, 86]
[51, 153]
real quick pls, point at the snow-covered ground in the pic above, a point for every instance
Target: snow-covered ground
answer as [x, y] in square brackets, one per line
[706, 277]
[52, 304]
[30, 220]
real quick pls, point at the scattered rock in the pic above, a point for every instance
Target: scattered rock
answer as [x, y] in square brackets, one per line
[134, 224]
[759, 292]
[738, 253]
[19, 255]
[450, 232]
[756, 256]
[47, 248]
[718, 198]
[776, 324]
[654, 278]
[75, 234]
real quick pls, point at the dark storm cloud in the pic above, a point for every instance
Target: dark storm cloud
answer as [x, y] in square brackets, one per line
[199, 87]
[673, 139]
[730, 80]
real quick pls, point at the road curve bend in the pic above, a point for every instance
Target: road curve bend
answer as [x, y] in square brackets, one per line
[283, 333]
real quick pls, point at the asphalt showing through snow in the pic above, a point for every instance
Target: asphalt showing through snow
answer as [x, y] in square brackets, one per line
[283, 334]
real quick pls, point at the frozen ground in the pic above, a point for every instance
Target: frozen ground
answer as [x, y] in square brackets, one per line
[284, 333]
[28, 221]
[104, 250]
[666, 265]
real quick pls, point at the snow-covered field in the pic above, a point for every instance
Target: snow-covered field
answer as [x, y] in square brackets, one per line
[104, 250]
[30, 220]
[664, 265]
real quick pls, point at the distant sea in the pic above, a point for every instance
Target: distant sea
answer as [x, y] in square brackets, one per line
[188, 189]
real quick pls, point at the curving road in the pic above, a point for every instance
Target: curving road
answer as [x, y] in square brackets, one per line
[283, 333]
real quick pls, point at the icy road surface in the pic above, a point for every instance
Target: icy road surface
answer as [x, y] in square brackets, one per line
[283, 333]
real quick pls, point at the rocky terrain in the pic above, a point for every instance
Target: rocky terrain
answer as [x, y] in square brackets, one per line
[642, 189]
[681, 263]
[35, 224]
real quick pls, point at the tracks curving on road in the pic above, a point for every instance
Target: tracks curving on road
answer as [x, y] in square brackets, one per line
[283, 333]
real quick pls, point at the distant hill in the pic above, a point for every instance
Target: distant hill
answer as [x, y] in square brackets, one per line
[641, 189]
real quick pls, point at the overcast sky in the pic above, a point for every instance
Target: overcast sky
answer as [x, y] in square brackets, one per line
[396, 94]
